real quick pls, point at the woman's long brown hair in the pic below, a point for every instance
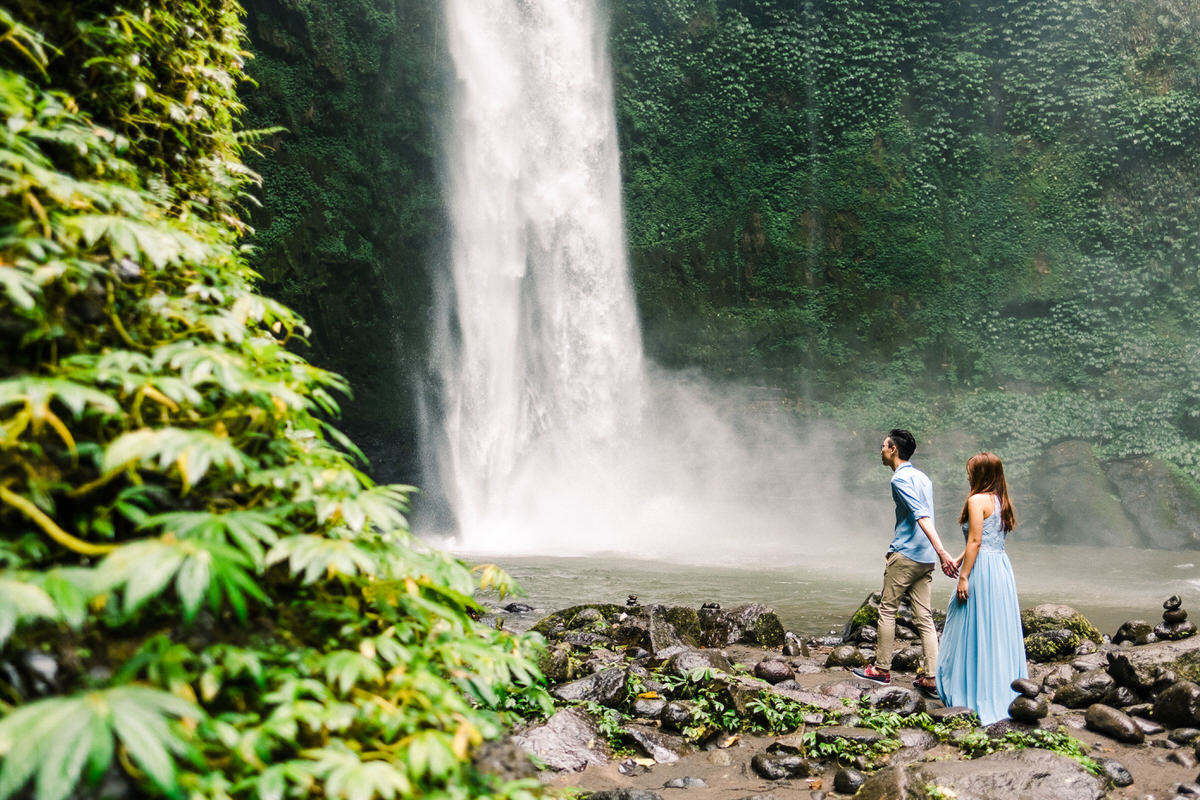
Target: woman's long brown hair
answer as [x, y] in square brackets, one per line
[985, 473]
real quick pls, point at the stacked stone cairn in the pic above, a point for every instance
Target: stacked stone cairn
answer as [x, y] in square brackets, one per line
[1175, 624]
[1029, 707]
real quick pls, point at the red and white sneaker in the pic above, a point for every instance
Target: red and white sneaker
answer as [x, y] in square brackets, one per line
[870, 673]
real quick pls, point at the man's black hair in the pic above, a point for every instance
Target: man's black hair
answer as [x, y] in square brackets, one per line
[906, 443]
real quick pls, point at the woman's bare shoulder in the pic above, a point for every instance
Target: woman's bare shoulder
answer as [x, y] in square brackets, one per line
[982, 500]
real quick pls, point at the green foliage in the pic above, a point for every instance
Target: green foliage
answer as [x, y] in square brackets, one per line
[978, 743]
[975, 217]
[236, 608]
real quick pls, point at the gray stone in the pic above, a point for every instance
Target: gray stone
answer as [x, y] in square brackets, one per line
[860, 736]
[1132, 630]
[777, 766]
[1167, 631]
[773, 671]
[847, 780]
[846, 655]
[1174, 616]
[1114, 724]
[568, 741]
[907, 659]
[677, 715]
[949, 712]
[1086, 689]
[683, 663]
[1184, 735]
[686, 782]
[648, 707]
[1179, 705]
[1148, 726]
[504, 758]
[606, 687]
[1115, 772]
[1028, 709]
[900, 699]
[1173, 602]
[1025, 686]
[625, 793]
[664, 748]
[1027, 774]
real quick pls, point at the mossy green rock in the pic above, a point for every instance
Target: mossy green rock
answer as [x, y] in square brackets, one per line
[1052, 616]
[594, 617]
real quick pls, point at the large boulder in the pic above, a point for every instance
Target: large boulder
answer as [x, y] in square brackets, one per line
[606, 687]
[592, 618]
[1055, 616]
[1027, 774]
[753, 623]
[569, 741]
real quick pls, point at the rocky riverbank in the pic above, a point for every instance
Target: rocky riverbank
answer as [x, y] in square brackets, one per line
[725, 704]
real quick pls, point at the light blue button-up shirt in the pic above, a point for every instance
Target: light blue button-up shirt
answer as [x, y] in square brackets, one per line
[913, 492]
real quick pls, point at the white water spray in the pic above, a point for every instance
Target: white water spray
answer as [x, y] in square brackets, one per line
[553, 437]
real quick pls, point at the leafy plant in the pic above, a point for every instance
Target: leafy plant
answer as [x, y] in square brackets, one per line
[237, 610]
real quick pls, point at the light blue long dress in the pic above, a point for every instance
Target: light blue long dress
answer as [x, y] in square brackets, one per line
[982, 650]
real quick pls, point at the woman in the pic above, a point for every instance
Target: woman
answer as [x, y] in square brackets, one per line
[982, 649]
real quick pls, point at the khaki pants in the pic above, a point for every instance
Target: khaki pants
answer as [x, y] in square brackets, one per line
[902, 576]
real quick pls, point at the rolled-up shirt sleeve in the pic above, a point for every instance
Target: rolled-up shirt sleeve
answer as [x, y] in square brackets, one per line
[908, 494]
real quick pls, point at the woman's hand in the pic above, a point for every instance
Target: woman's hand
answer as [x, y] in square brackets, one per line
[961, 591]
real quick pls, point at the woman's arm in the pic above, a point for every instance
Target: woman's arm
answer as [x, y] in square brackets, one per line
[976, 504]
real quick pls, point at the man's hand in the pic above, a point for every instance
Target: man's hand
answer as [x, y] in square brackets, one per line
[961, 591]
[949, 565]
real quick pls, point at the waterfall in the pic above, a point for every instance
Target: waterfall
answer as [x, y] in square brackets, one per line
[549, 432]
[540, 359]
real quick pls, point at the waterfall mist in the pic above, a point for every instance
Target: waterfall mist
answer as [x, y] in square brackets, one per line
[548, 431]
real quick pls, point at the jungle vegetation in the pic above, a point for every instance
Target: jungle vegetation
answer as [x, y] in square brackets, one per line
[980, 217]
[202, 594]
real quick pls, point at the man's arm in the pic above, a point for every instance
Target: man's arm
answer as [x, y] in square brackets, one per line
[949, 566]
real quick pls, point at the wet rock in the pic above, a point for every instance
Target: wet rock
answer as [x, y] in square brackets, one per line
[907, 659]
[631, 768]
[683, 663]
[846, 655]
[1149, 727]
[1059, 675]
[504, 758]
[606, 687]
[1175, 616]
[672, 628]
[1028, 774]
[1051, 645]
[555, 663]
[1114, 724]
[592, 618]
[519, 608]
[777, 766]
[1184, 735]
[1055, 616]
[686, 782]
[947, 713]
[1182, 757]
[1115, 772]
[1025, 687]
[1086, 647]
[1132, 631]
[568, 741]
[902, 700]
[1028, 709]
[1086, 689]
[648, 707]
[677, 715]
[773, 671]
[1172, 603]
[848, 781]
[1179, 705]
[664, 748]
[793, 645]
[751, 624]
[1145, 670]
[1172, 632]
[833, 734]
[624, 793]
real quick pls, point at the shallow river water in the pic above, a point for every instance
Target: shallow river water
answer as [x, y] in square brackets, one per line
[1108, 586]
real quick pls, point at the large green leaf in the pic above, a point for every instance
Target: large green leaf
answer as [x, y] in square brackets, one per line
[51, 740]
[192, 452]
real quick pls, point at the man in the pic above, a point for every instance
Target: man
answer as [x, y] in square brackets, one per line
[908, 569]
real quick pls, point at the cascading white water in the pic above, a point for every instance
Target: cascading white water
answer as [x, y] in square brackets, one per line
[553, 436]
[544, 367]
